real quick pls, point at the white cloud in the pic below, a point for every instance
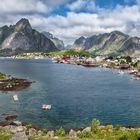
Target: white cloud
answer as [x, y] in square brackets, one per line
[28, 6]
[22, 6]
[74, 25]
[78, 5]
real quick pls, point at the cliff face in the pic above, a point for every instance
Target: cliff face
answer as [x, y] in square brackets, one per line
[79, 43]
[114, 43]
[22, 38]
[58, 43]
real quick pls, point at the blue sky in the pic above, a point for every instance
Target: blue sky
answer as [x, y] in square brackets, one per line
[70, 19]
[105, 4]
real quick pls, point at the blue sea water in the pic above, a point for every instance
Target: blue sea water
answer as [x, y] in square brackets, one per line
[77, 95]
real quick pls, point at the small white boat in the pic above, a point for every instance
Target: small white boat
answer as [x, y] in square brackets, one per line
[15, 97]
[54, 61]
[121, 72]
[47, 107]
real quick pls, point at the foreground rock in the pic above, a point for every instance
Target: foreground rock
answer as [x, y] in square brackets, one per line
[50, 134]
[11, 117]
[72, 134]
[15, 129]
[87, 129]
[19, 136]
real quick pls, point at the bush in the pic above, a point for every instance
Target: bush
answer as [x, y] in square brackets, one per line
[85, 134]
[45, 130]
[137, 64]
[117, 127]
[2, 76]
[124, 137]
[60, 132]
[95, 125]
[28, 126]
[128, 59]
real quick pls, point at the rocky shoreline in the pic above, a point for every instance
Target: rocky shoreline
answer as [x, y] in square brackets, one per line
[23, 131]
[14, 84]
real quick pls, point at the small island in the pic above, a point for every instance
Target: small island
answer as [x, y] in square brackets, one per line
[9, 83]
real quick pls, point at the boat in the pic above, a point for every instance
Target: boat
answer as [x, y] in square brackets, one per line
[55, 61]
[90, 65]
[15, 97]
[120, 72]
[46, 107]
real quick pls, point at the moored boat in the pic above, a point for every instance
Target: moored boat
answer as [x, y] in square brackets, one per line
[90, 65]
[46, 107]
[15, 97]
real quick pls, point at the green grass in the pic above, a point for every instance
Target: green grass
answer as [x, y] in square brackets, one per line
[97, 132]
[59, 53]
[5, 135]
[2, 76]
[71, 53]
[101, 135]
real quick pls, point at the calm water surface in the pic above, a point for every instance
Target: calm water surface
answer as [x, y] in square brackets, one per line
[77, 94]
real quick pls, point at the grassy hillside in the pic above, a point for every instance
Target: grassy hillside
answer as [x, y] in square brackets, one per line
[71, 53]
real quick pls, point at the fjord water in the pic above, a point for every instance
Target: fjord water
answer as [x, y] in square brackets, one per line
[77, 94]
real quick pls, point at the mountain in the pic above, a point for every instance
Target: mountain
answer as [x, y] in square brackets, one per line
[79, 43]
[114, 43]
[20, 38]
[58, 43]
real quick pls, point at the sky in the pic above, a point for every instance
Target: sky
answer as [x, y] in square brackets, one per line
[70, 19]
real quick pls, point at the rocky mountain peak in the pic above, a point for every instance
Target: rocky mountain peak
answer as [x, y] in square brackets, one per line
[21, 38]
[23, 24]
[113, 43]
[80, 40]
[118, 33]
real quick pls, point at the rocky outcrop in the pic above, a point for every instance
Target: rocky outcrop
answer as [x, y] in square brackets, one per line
[21, 38]
[72, 134]
[50, 134]
[19, 136]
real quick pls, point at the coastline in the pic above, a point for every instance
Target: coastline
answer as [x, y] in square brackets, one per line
[125, 64]
[25, 131]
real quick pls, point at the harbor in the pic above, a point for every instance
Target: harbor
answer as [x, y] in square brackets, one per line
[100, 62]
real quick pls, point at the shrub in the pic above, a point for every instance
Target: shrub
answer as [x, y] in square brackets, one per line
[128, 59]
[45, 130]
[2, 76]
[117, 127]
[60, 132]
[85, 134]
[124, 137]
[95, 125]
[5, 135]
[28, 126]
